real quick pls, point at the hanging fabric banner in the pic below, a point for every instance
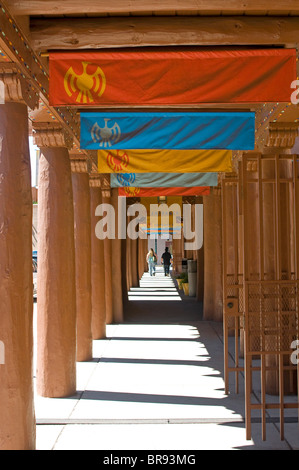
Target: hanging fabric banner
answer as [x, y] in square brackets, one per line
[161, 130]
[181, 161]
[163, 180]
[171, 76]
[131, 191]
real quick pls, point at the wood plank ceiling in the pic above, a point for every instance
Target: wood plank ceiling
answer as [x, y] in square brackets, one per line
[93, 24]
[154, 7]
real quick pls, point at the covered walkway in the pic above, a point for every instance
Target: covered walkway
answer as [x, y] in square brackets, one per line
[156, 382]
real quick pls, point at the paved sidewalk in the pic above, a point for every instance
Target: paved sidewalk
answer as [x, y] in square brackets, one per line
[155, 383]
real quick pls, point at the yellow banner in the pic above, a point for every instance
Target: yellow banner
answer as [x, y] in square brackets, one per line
[168, 161]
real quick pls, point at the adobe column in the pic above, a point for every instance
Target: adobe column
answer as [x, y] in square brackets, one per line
[17, 422]
[189, 254]
[134, 262]
[213, 302]
[132, 252]
[200, 265]
[106, 198]
[124, 277]
[129, 260]
[98, 321]
[56, 301]
[116, 260]
[140, 257]
[81, 195]
[124, 264]
[145, 252]
[182, 247]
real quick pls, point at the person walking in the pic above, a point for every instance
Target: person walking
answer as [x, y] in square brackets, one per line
[152, 261]
[166, 260]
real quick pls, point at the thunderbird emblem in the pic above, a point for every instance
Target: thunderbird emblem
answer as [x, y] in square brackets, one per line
[106, 136]
[126, 179]
[118, 161]
[85, 84]
[131, 191]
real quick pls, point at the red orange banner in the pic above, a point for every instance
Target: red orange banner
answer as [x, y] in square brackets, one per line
[174, 76]
[156, 192]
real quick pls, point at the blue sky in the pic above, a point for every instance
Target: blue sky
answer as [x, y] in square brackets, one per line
[33, 159]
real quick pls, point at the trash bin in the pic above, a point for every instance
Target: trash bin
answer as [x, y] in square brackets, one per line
[184, 265]
[192, 277]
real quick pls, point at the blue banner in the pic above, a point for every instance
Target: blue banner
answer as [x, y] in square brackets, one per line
[181, 131]
[163, 180]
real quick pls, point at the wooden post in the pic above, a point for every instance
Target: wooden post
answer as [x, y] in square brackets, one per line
[213, 301]
[56, 301]
[142, 245]
[177, 256]
[124, 273]
[200, 266]
[129, 261]
[17, 423]
[145, 251]
[116, 260]
[134, 262]
[106, 199]
[81, 194]
[98, 322]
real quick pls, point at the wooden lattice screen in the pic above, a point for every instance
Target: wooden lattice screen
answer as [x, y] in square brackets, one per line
[261, 283]
[270, 251]
[232, 279]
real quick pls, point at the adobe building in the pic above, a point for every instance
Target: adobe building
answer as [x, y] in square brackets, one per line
[248, 267]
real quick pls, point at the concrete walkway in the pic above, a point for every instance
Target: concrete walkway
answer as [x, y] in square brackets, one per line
[155, 383]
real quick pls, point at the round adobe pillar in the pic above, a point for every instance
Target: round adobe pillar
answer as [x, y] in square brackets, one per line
[98, 302]
[213, 301]
[56, 298]
[106, 198]
[116, 262]
[17, 423]
[82, 225]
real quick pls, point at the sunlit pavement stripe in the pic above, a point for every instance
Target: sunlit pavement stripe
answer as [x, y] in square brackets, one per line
[257, 420]
[155, 288]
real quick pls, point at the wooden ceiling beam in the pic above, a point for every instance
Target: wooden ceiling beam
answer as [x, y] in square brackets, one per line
[98, 33]
[69, 7]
